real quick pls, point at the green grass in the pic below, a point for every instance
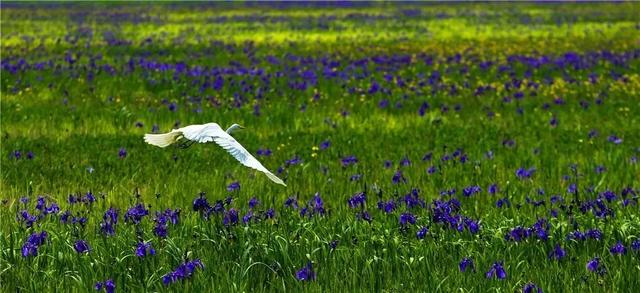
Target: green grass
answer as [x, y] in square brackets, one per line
[71, 123]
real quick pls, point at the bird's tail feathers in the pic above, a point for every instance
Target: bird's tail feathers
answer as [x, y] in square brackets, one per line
[162, 140]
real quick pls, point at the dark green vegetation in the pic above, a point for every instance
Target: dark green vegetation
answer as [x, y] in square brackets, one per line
[503, 129]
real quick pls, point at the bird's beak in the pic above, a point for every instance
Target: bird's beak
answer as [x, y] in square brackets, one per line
[241, 127]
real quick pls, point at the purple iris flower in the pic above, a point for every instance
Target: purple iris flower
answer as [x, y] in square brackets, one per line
[422, 232]
[349, 160]
[357, 200]
[306, 273]
[325, 145]
[182, 272]
[109, 286]
[81, 246]
[230, 217]
[122, 153]
[253, 202]
[135, 214]
[523, 173]
[466, 264]
[233, 186]
[144, 248]
[35, 240]
[531, 288]
[594, 265]
[614, 139]
[618, 248]
[398, 178]
[557, 253]
[635, 245]
[493, 188]
[496, 271]
[407, 218]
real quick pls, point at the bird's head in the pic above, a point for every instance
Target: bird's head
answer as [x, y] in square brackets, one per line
[234, 127]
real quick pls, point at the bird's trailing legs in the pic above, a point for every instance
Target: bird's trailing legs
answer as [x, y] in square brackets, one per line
[186, 144]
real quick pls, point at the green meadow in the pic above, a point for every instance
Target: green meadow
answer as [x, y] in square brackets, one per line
[410, 137]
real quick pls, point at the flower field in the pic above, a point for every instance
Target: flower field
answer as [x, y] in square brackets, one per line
[425, 147]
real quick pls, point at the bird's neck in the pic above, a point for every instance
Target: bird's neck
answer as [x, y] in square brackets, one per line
[231, 129]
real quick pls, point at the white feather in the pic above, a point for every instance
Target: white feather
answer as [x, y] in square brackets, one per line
[162, 140]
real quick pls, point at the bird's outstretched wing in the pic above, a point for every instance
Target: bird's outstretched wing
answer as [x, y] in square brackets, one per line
[234, 148]
[213, 132]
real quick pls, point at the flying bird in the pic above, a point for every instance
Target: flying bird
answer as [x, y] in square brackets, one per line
[211, 132]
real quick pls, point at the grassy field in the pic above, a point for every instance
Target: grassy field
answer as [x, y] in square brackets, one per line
[462, 147]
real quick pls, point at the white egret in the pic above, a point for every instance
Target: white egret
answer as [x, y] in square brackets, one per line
[209, 132]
